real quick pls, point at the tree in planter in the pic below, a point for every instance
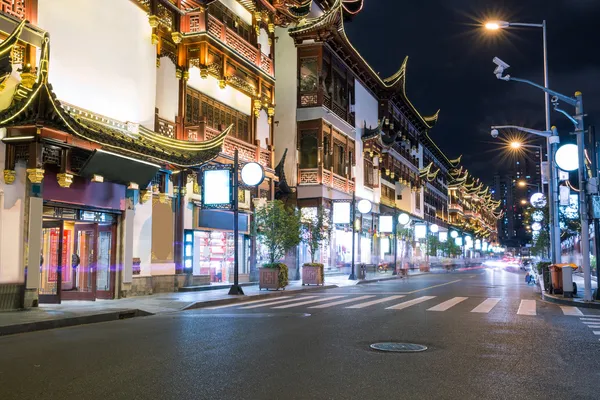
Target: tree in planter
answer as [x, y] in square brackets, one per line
[277, 227]
[316, 231]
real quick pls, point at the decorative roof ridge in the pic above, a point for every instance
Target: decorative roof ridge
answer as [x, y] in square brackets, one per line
[330, 17]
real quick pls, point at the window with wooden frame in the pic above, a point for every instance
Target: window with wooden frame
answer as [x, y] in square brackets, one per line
[339, 159]
[418, 199]
[309, 74]
[369, 173]
[388, 193]
[217, 115]
[327, 152]
[309, 149]
[232, 21]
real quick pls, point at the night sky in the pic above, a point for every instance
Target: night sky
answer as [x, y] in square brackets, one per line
[450, 65]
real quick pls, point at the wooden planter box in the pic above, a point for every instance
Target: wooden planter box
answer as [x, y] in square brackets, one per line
[312, 275]
[269, 279]
[424, 267]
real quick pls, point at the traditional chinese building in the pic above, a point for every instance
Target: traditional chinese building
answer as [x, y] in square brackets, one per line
[355, 134]
[103, 144]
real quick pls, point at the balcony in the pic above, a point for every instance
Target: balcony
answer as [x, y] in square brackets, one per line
[246, 152]
[217, 29]
[322, 176]
[455, 208]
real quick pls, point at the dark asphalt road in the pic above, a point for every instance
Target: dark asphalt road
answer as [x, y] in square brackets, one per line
[299, 352]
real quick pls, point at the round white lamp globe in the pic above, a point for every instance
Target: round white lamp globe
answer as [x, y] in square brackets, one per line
[253, 174]
[434, 228]
[364, 206]
[454, 234]
[536, 226]
[567, 157]
[403, 219]
[538, 200]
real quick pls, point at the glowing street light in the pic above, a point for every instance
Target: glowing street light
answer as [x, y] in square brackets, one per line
[496, 25]
[516, 145]
[523, 201]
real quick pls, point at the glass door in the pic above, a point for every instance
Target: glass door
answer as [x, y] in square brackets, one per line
[51, 262]
[81, 272]
[105, 265]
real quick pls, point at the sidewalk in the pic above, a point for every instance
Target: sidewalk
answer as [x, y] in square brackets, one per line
[576, 301]
[71, 313]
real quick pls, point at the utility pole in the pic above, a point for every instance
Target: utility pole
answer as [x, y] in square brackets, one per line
[595, 164]
[583, 204]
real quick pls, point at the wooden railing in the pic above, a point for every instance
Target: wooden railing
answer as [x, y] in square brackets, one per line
[455, 207]
[325, 177]
[246, 152]
[219, 30]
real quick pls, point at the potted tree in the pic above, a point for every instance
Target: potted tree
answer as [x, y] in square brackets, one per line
[277, 227]
[316, 232]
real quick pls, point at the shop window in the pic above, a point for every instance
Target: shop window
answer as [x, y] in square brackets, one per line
[308, 75]
[308, 151]
[418, 199]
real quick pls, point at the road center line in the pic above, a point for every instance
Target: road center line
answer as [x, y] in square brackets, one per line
[434, 286]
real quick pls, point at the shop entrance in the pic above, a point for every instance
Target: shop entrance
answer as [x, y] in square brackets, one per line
[78, 256]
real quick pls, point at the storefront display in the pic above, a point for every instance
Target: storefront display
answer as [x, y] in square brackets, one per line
[213, 255]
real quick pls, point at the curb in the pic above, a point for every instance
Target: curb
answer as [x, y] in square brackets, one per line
[72, 321]
[567, 302]
[243, 299]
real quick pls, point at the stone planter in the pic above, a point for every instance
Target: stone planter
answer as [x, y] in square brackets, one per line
[269, 279]
[312, 275]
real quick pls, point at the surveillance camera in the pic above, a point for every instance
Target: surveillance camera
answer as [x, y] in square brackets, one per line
[494, 133]
[554, 99]
[500, 63]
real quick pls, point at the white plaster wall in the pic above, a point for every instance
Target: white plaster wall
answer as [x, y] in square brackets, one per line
[263, 40]
[367, 111]
[11, 244]
[263, 129]
[167, 90]
[284, 136]
[101, 57]
[239, 10]
[188, 211]
[210, 86]
[142, 236]
[11, 84]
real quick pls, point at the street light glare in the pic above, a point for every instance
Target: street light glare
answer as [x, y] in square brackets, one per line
[523, 201]
[522, 184]
[516, 145]
[492, 26]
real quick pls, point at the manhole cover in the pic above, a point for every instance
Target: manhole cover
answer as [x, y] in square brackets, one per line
[399, 347]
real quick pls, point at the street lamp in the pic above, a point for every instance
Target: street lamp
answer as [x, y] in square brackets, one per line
[252, 175]
[523, 201]
[364, 207]
[495, 25]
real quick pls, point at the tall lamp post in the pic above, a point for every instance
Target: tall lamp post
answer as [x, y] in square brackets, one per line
[577, 120]
[364, 207]
[552, 183]
[252, 175]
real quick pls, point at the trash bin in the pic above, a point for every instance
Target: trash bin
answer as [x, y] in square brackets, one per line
[362, 271]
[567, 279]
[556, 285]
[562, 279]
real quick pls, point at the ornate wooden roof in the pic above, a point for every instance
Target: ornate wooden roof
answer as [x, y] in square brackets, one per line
[38, 106]
[330, 26]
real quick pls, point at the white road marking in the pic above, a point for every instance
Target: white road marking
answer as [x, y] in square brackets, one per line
[527, 307]
[596, 332]
[487, 305]
[592, 317]
[406, 304]
[593, 326]
[434, 286]
[246, 303]
[372, 302]
[571, 310]
[308, 302]
[337, 303]
[447, 304]
[591, 323]
[278, 302]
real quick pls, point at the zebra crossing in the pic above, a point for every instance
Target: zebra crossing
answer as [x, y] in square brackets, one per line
[592, 322]
[434, 304]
